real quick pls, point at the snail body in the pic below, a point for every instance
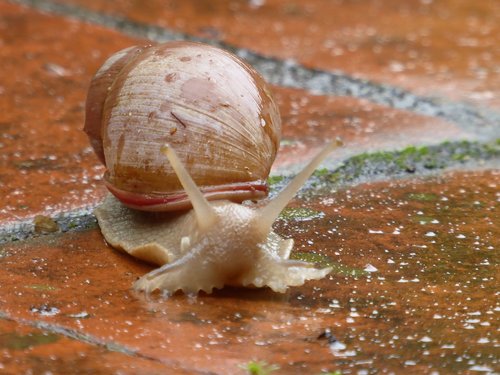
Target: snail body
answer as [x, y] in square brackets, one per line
[216, 243]
[220, 155]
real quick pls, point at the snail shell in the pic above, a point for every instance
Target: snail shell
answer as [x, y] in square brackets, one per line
[211, 107]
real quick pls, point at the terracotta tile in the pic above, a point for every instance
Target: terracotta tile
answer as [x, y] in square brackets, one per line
[28, 350]
[435, 48]
[310, 120]
[46, 164]
[413, 288]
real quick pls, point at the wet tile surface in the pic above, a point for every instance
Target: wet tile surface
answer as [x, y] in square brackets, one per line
[415, 261]
[310, 120]
[435, 48]
[47, 165]
[413, 288]
[25, 350]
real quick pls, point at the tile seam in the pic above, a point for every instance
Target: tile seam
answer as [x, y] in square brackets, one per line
[289, 73]
[411, 162]
[89, 339]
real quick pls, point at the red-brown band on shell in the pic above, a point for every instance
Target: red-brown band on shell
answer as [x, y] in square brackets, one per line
[178, 201]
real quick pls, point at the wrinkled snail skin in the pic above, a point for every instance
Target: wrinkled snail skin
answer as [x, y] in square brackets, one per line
[214, 109]
[190, 131]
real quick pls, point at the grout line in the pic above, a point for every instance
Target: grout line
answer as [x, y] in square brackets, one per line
[289, 73]
[89, 339]
[67, 221]
[410, 162]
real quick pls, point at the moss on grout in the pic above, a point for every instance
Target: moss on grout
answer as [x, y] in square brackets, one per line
[321, 172]
[410, 161]
[422, 197]
[259, 368]
[15, 341]
[300, 214]
[413, 160]
[274, 180]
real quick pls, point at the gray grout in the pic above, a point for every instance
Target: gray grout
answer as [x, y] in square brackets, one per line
[484, 122]
[359, 168]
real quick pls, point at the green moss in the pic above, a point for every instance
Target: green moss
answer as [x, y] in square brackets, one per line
[288, 142]
[423, 197]
[422, 219]
[300, 214]
[259, 368]
[41, 287]
[461, 157]
[273, 180]
[334, 177]
[410, 160]
[321, 172]
[15, 341]
[72, 225]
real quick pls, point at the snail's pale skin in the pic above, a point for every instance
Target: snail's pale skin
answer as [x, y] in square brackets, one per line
[216, 243]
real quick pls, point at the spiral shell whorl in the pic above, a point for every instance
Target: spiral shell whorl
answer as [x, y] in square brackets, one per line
[215, 110]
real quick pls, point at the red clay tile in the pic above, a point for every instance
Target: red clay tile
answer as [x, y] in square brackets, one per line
[433, 47]
[415, 272]
[47, 165]
[28, 350]
[309, 120]
[413, 288]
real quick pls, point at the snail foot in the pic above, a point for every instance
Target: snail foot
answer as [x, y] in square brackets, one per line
[279, 274]
[190, 274]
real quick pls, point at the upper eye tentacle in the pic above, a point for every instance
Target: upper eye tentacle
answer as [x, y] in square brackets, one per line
[270, 213]
[205, 214]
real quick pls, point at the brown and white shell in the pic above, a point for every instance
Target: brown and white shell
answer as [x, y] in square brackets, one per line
[181, 125]
[211, 107]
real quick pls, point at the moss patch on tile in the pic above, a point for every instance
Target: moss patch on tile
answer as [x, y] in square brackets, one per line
[300, 214]
[274, 180]
[259, 368]
[15, 341]
[422, 219]
[41, 287]
[360, 168]
[422, 197]
[410, 161]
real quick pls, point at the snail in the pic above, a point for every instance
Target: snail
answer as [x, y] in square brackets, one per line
[188, 132]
